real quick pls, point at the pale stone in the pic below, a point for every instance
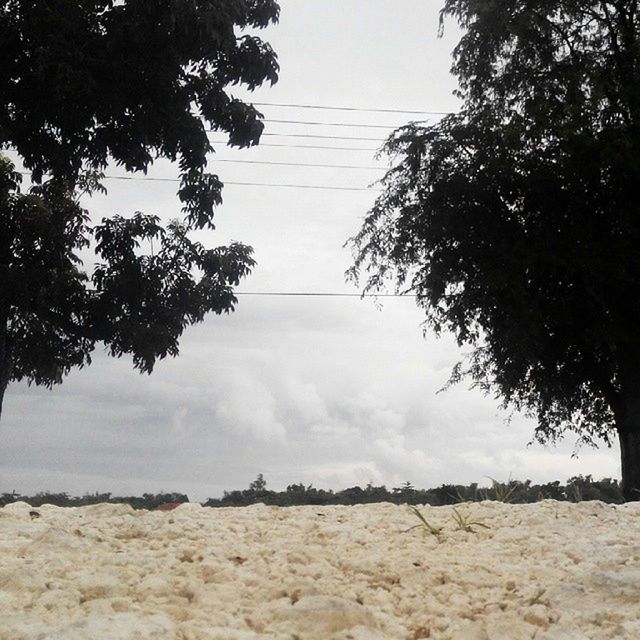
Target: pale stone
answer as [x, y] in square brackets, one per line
[92, 586]
[17, 507]
[107, 510]
[549, 571]
[326, 614]
[119, 626]
[470, 631]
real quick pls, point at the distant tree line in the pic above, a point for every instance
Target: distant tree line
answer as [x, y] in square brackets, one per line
[576, 489]
[147, 501]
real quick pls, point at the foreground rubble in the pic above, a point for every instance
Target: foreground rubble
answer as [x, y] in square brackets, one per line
[547, 571]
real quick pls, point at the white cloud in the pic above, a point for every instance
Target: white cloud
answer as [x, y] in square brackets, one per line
[401, 461]
[249, 407]
[341, 475]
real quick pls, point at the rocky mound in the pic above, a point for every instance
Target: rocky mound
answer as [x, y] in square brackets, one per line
[547, 571]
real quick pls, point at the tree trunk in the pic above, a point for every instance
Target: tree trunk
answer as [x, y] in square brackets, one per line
[628, 425]
[630, 454]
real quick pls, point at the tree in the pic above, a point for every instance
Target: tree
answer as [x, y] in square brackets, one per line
[516, 222]
[259, 485]
[88, 82]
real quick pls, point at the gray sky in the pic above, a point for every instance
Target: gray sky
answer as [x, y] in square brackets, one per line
[329, 391]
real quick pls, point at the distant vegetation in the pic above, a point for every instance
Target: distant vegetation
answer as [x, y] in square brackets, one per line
[147, 501]
[576, 489]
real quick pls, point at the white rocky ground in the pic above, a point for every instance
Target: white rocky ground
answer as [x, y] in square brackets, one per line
[549, 571]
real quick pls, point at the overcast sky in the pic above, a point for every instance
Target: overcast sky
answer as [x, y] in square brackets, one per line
[329, 391]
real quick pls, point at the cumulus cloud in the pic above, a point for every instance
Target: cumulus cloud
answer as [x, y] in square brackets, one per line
[250, 409]
[235, 405]
[339, 475]
[400, 460]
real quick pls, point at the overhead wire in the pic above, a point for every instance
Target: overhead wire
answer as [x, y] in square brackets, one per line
[250, 184]
[362, 109]
[311, 294]
[311, 135]
[298, 146]
[299, 164]
[323, 294]
[334, 124]
[236, 183]
[321, 137]
[307, 146]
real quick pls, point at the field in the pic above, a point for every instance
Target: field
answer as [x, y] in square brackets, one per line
[545, 571]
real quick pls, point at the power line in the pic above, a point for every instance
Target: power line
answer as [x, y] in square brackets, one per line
[250, 184]
[334, 124]
[311, 294]
[335, 108]
[304, 146]
[322, 294]
[299, 164]
[311, 135]
[320, 137]
[236, 183]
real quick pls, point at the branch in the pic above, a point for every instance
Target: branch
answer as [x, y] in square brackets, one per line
[563, 34]
[613, 36]
[625, 70]
[603, 381]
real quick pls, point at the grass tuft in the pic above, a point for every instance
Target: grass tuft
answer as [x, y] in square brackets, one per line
[429, 528]
[504, 491]
[537, 598]
[464, 524]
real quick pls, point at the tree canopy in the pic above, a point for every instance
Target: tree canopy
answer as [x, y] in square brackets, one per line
[516, 221]
[92, 82]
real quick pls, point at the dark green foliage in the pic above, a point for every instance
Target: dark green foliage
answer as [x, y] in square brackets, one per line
[585, 488]
[576, 489]
[517, 221]
[43, 298]
[406, 489]
[133, 80]
[259, 485]
[145, 301]
[91, 82]
[147, 501]
[606, 490]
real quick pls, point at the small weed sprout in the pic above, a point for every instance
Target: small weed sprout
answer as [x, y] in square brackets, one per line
[434, 531]
[464, 524]
[503, 491]
[469, 494]
[577, 493]
[537, 599]
[459, 497]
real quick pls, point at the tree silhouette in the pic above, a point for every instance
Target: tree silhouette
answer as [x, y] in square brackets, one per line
[86, 83]
[259, 484]
[516, 221]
